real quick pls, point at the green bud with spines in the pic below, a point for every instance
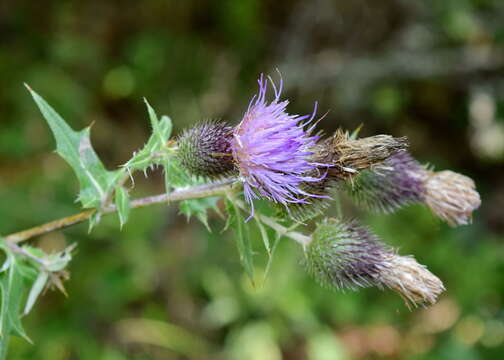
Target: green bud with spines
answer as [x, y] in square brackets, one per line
[204, 150]
[345, 255]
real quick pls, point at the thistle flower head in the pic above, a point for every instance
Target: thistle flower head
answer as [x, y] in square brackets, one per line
[271, 149]
[451, 196]
[395, 182]
[411, 280]
[345, 255]
[401, 180]
[205, 149]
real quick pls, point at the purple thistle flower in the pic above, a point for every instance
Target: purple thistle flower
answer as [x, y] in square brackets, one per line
[272, 150]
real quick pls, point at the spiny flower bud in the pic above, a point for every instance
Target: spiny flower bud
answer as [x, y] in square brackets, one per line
[451, 196]
[411, 280]
[205, 150]
[347, 256]
[401, 180]
[395, 182]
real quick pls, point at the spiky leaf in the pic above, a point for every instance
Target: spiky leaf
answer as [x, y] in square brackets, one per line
[12, 286]
[153, 151]
[122, 203]
[199, 208]
[175, 175]
[75, 147]
[35, 291]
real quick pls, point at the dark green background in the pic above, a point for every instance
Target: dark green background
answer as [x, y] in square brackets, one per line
[163, 288]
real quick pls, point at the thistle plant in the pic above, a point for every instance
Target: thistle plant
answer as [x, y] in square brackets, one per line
[271, 155]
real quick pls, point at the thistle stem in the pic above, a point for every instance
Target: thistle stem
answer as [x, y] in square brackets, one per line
[301, 239]
[195, 192]
[20, 251]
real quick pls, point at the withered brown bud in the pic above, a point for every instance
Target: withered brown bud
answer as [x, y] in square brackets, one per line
[349, 156]
[451, 196]
[411, 280]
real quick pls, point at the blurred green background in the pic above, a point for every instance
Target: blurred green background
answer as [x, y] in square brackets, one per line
[163, 288]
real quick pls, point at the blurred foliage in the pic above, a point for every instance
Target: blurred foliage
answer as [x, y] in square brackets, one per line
[164, 288]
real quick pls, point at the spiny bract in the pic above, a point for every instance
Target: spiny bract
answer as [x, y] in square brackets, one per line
[205, 150]
[345, 255]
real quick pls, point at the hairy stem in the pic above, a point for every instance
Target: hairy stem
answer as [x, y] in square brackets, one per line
[195, 192]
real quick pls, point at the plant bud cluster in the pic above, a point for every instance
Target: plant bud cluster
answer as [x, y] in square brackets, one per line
[275, 156]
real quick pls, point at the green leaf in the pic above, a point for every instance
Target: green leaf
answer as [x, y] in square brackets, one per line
[4, 345]
[272, 252]
[122, 202]
[175, 175]
[75, 147]
[155, 149]
[93, 220]
[36, 290]
[199, 208]
[243, 242]
[162, 134]
[264, 235]
[12, 286]
[355, 133]
[14, 276]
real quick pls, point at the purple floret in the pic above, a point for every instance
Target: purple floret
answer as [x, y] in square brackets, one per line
[272, 149]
